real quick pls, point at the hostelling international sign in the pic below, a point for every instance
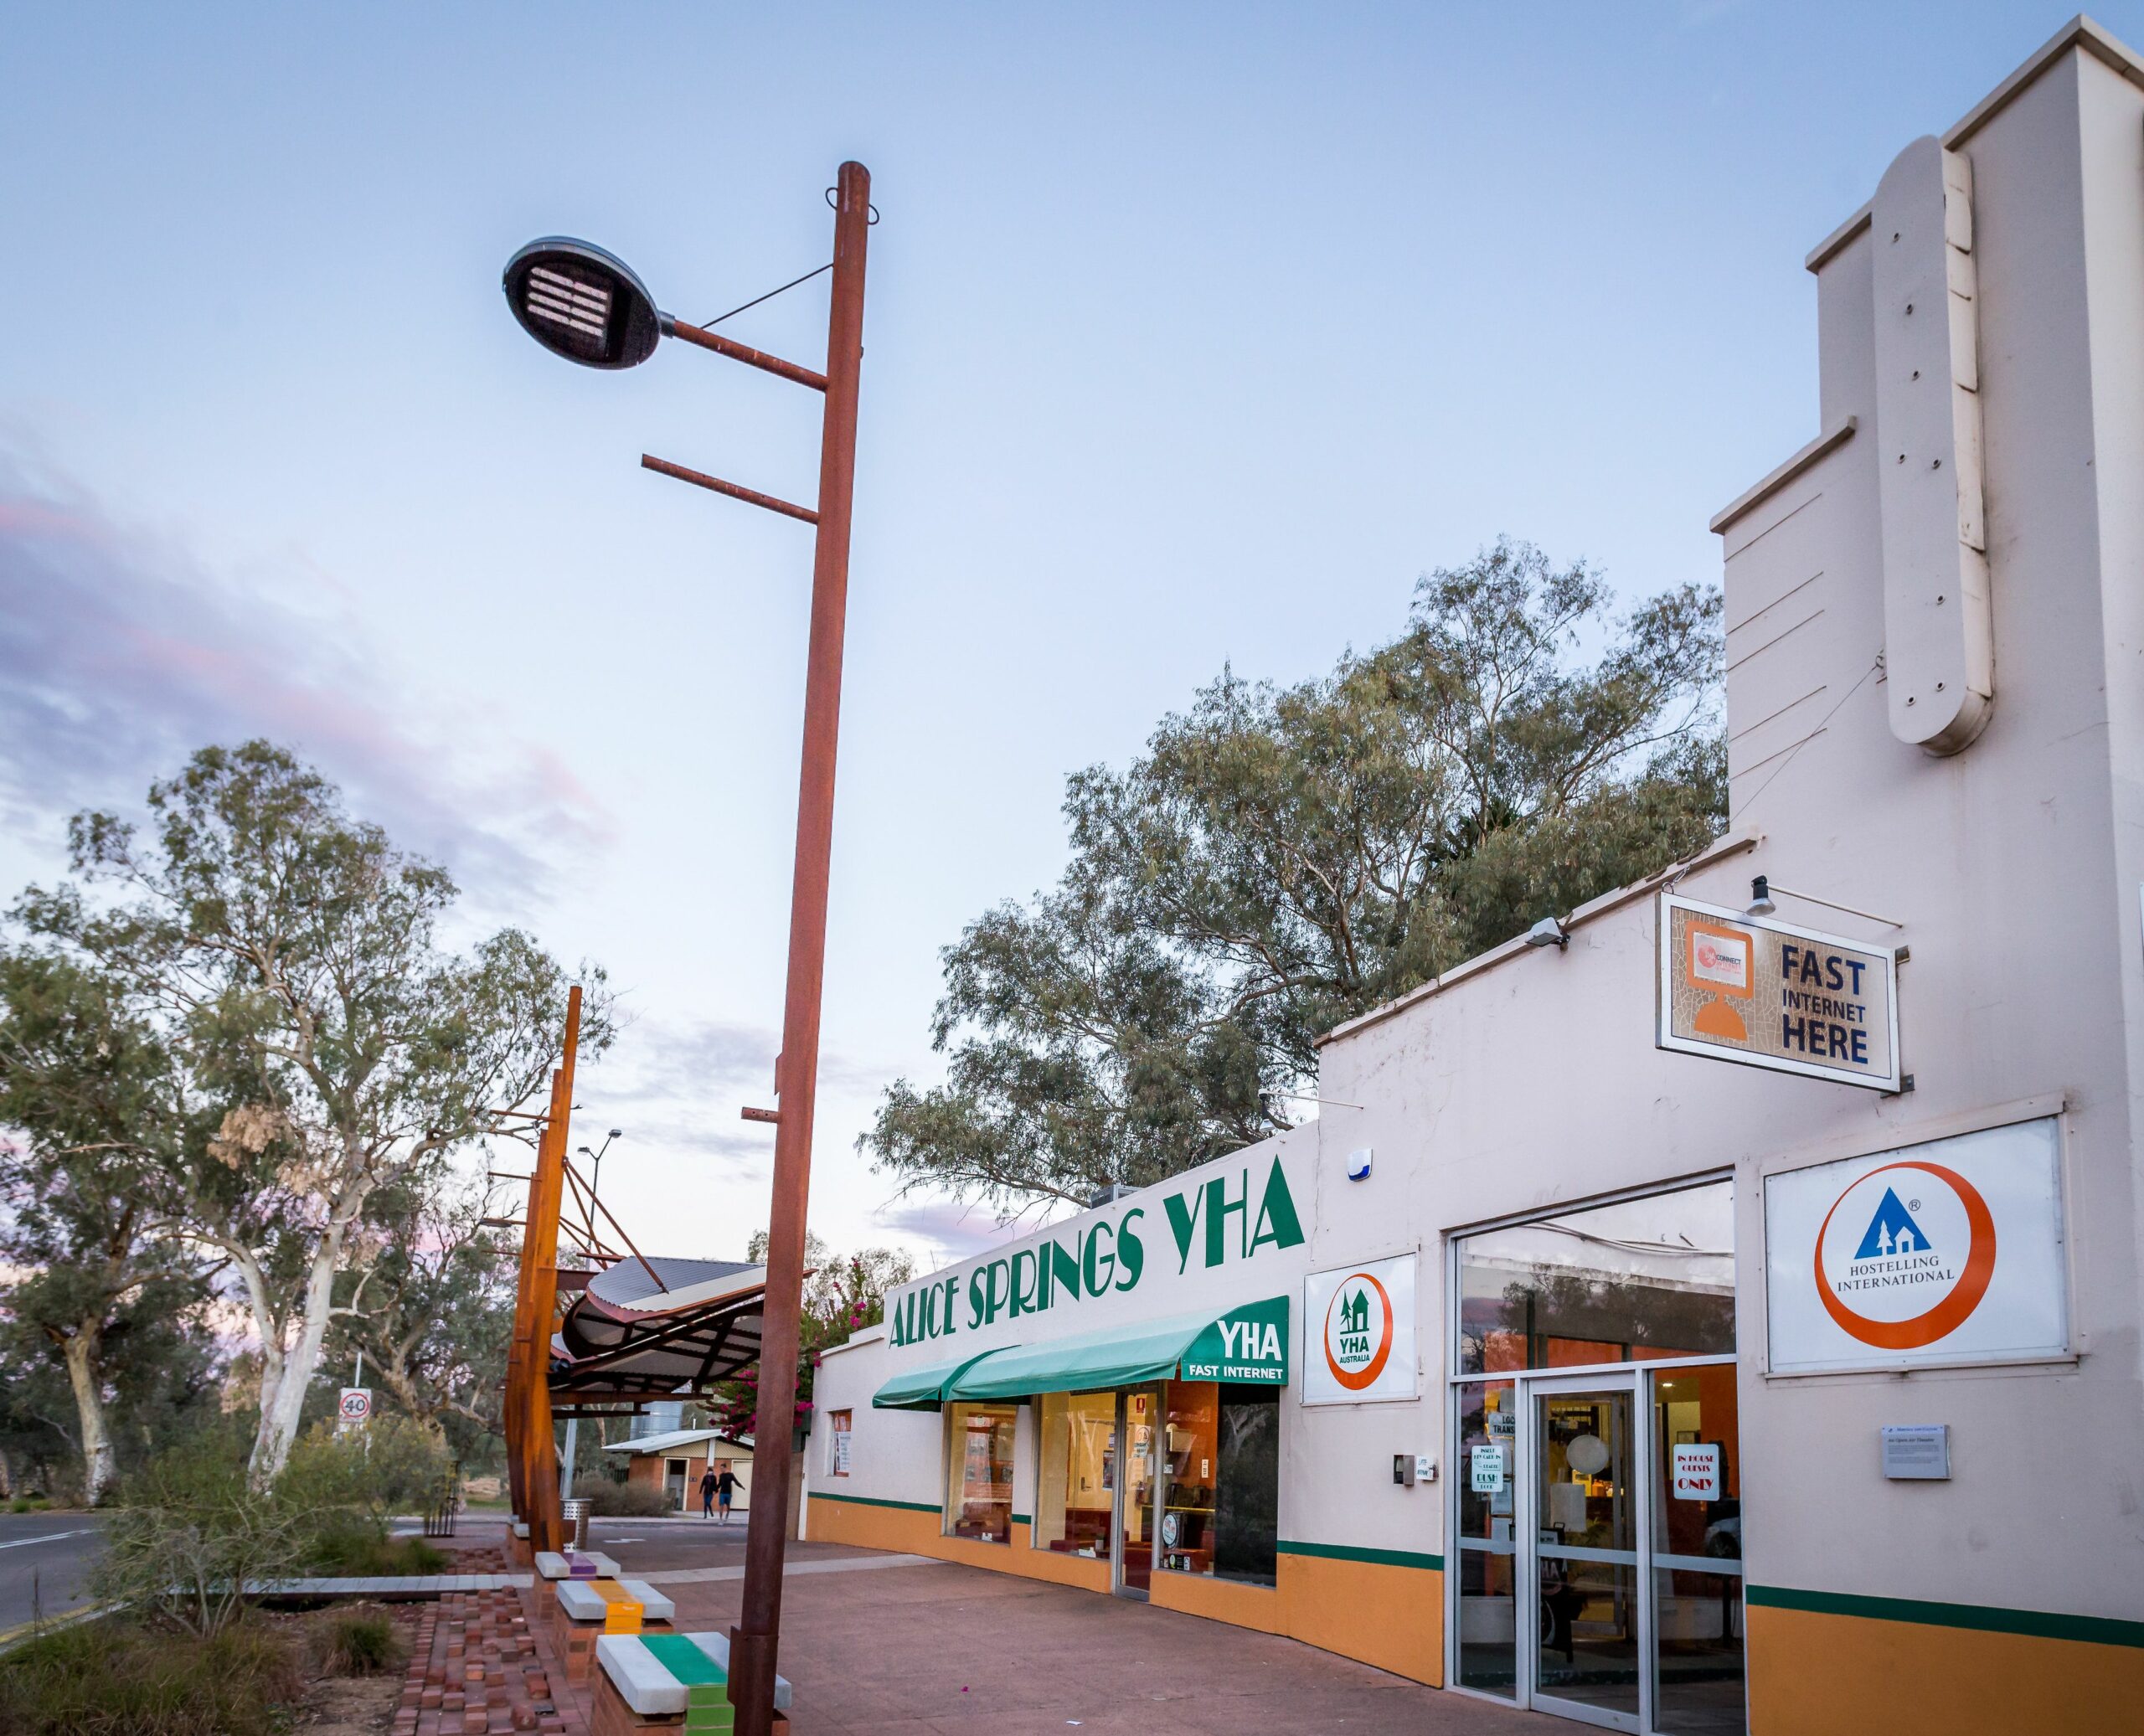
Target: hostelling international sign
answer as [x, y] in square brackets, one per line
[1767, 994]
[1947, 1252]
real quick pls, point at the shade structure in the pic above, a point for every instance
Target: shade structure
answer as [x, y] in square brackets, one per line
[924, 1388]
[1246, 1342]
[666, 1326]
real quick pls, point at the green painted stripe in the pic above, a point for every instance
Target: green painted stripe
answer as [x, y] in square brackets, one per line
[902, 1507]
[1979, 1618]
[1383, 1557]
[1022, 1519]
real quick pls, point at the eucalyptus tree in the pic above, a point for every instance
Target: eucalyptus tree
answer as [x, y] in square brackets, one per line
[1280, 859]
[430, 1306]
[99, 1114]
[288, 956]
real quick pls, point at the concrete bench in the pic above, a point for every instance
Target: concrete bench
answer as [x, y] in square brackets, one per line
[587, 1610]
[591, 1600]
[550, 1565]
[677, 1681]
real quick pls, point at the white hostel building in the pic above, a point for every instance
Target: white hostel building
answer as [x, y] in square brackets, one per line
[1723, 1310]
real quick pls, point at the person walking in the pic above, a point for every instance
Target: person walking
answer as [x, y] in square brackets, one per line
[725, 1487]
[708, 1483]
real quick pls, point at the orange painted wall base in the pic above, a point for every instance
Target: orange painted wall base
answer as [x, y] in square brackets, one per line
[1382, 1614]
[1815, 1675]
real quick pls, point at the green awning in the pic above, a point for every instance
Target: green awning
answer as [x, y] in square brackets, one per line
[1247, 1342]
[923, 1388]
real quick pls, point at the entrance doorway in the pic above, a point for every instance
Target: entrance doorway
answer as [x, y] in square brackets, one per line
[1139, 1421]
[1599, 1547]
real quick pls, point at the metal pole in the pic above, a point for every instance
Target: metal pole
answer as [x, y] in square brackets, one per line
[565, 1465]
[753, 1642]
[539, 1444]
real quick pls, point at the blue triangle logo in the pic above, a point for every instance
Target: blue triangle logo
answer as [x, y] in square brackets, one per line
[1891, 1231]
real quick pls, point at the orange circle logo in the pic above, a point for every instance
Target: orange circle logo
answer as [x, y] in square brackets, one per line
[1920, 1266]
[1358, 1331]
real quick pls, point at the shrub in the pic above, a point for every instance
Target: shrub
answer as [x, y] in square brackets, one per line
[358, 1642]
[360, 1551]
[190, 1532]
[622, 1500]
[109, 1678]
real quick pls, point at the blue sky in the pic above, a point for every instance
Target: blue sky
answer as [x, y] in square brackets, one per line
[1195, 333]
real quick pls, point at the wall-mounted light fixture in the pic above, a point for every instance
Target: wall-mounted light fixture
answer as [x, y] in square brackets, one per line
[1549, 932]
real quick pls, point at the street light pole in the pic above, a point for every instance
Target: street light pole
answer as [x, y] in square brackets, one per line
[585, 305]
[753, 1642]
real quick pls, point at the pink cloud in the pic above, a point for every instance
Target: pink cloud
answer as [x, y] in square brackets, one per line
[119, 657]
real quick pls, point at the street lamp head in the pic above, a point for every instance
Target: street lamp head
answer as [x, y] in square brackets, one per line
[618, 1133]
[582, 303]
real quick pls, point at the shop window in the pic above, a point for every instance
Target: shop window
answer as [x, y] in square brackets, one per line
[838, 1423]
[1075, 1486]
[979, 1473]
[1221, 1516]
[1634, 1281]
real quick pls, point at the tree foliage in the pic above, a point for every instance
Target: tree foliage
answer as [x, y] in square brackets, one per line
[1281, 859]
[286, 957]
[101, 1114]
[842, 1295]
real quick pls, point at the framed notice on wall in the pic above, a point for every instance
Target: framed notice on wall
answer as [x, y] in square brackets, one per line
[1749, 989]
[1949, 1252]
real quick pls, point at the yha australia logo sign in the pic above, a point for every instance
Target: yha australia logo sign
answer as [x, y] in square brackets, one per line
[1359, 1331]
[1359, 1321]
[1943, 1253]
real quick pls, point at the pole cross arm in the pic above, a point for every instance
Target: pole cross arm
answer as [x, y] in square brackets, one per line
[749, 357]
[750, 497]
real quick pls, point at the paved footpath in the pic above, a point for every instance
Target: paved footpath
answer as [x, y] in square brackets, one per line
[911, 1647]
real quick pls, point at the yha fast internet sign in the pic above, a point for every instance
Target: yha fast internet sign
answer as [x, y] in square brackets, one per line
[1767, 994]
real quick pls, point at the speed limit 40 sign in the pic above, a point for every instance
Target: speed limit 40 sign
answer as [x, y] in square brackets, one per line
[356, 1405]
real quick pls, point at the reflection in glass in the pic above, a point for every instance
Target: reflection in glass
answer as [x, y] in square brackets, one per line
[1074, 1496]
[1588, 1649]
[1639, 1280]
[979, 1473]
[1221, 1515]
[1486, 1465]
[1697, 1526]
[1143, 1425]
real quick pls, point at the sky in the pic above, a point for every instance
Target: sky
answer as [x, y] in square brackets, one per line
[1194, 334]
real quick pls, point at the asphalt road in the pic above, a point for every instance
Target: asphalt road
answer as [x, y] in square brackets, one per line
[43, 1559]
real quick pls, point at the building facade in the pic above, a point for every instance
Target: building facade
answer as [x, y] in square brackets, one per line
[1722, 1308]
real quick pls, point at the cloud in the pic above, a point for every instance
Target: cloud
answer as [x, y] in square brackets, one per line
[954, 1230]
[119, 655]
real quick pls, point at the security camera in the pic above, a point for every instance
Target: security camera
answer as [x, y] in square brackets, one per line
[1548, 932]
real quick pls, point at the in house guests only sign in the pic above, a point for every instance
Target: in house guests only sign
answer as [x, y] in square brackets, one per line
[1764, 993]
[1947, 1252]
[1358, 1333]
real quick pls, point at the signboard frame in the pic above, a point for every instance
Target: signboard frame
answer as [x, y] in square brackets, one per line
[1395, 1373]
[1664, 994]
[2034, 1272]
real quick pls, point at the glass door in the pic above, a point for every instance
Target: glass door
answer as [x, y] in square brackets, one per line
[1586, 1645]
[1696, 1558]
[1138, 1435]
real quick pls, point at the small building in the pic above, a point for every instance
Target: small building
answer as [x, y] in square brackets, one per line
[1719, 1308]
[673, 1463]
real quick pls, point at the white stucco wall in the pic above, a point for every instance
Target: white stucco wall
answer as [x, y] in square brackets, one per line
[1530, 1081]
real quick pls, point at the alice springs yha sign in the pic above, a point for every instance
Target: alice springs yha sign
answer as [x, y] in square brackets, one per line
[1216, 1221]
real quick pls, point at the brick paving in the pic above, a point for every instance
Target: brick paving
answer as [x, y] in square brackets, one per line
[479, 1667]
